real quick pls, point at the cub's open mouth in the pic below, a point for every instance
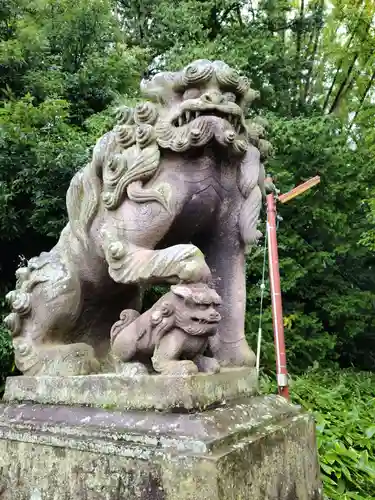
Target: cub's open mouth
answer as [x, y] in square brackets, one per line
[188, 116]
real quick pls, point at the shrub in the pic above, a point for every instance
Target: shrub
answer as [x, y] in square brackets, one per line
[343, 404]
[6, 356]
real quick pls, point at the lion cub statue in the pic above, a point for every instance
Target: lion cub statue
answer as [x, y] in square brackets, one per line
[172, 336]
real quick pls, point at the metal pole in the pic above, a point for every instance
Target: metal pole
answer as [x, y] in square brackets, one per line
[277, 309]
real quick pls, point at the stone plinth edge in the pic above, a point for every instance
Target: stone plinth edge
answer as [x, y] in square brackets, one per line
[262, 448]
[144, 392]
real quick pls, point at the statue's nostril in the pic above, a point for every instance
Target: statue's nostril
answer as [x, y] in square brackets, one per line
[213, 98]
[207, 97]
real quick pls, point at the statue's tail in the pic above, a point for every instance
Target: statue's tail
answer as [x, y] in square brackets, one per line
[82, 201]
[252, 182]
[251, 191]
[83, 195]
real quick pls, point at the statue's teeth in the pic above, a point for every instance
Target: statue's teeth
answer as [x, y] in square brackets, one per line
[180, 121]
[188, 116]
[197, 113]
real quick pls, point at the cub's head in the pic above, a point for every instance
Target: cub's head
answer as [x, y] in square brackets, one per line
[195, 309]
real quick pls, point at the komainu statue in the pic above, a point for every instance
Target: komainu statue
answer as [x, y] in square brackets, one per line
[178, 325]
[171, 195]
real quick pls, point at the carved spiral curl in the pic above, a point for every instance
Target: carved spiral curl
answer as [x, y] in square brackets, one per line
[145, 135]
[112, 175]
[125, 135]
[145, 112]
[197, 72]
[125, 115]
[13, 323]
[195, 135]
[19, 301]
[128, 316]
[226, 76]
[257, 132]
[229, 136]
[23, 348]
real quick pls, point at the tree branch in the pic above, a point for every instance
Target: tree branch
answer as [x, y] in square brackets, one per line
[363, 98]
[338, 69]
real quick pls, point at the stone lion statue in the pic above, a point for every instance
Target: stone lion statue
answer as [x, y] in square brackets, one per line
[174, 333]
[172, 194]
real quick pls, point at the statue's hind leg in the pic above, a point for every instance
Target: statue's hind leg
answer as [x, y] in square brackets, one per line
[45, 306]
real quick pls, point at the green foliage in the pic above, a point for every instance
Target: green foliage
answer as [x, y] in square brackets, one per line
[328, 289]
[6, 356]
[343, 404]
[6, 352]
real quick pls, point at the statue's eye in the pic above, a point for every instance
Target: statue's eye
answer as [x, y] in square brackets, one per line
[202, 307]
[230, 96]
[191, 94]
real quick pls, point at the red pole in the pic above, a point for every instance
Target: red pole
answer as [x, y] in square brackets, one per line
[277, 308]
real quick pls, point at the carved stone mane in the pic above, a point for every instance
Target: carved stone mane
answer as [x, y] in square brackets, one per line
[128, 156]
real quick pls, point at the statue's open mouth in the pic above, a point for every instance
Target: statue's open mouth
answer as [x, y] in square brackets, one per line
[196, 123]
[189, 116]
[206, 321]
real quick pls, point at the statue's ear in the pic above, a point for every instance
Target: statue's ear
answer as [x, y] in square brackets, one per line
[167, 309]
[182, 291]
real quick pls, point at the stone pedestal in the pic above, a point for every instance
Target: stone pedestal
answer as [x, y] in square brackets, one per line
[246, 448]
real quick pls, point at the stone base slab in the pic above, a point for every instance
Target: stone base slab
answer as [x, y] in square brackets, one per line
[142, 392]
[260, 448]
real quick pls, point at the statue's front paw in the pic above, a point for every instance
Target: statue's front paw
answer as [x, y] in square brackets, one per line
[195, 269]
[176, 368]
[207, 365]
[131, 369]
[182, 368]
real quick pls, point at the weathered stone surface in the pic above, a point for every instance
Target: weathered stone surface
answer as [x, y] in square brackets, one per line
[142, 392]
[172, 194]
[261, 448]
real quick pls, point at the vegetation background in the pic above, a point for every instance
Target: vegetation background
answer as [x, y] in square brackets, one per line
[64, 66]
